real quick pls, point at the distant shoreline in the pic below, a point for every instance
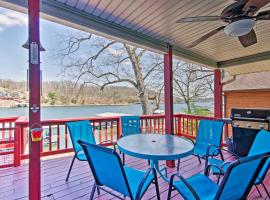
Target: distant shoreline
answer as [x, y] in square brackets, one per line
[76, 105]
[70, 105]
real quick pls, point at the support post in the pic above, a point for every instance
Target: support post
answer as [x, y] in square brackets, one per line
[34, 97]
[168, 92]
[217, 93]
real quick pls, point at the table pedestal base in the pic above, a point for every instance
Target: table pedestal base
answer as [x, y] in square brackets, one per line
[162, 172]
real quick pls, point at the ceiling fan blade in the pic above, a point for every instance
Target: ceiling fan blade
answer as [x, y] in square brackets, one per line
[205, 37]
[248, 39]
[264, 15]
[256, 4]
[199, 19]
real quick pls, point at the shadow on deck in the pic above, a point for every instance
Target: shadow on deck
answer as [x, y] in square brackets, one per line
[14, 181]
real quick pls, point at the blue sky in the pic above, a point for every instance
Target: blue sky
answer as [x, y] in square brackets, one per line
[13, 58]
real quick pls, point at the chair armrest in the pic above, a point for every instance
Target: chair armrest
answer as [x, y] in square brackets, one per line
[186, 183]
[143, 181]
[219, 149]
[109, 141]
[225, 163]
[215, 166]
[230, 152]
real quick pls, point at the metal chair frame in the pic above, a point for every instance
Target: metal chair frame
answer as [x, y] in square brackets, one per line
[225, 179]
[205, 156]
[76, 153]
[97, 185]
[222, 172]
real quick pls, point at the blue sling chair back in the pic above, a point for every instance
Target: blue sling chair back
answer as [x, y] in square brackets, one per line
[209, 132]
[261, 144]
[236, 184]
[109, 172]
[130, 125]
[79, 130]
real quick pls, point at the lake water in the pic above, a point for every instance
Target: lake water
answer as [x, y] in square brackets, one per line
[60, 112]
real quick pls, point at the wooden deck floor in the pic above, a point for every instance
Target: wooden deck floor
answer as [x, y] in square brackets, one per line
[14, 181]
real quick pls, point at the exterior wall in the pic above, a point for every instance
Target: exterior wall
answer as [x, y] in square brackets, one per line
[246, 99]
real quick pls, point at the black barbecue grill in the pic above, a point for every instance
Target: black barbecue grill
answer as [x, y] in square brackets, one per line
[246, 123]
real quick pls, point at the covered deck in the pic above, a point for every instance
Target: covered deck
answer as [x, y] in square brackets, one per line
[147, 24]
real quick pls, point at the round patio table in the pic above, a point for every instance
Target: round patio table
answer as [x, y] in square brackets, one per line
[155, 147]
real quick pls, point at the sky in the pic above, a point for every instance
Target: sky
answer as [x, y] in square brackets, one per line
[13, 57]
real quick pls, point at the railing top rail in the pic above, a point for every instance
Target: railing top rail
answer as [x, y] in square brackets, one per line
[24, 121]
[176, 115]
[62, 121]
[8, 119]
[196, 116]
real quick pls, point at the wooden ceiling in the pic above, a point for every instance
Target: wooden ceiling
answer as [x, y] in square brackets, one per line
[151, 24]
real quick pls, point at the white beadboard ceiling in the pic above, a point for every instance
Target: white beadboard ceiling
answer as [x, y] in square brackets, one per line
[151, 24]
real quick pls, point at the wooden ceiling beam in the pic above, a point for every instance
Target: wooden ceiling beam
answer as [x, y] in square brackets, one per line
[244, 60]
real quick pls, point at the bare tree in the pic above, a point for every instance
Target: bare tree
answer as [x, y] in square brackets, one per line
[156, 83]
[192, 82]
[90, 59]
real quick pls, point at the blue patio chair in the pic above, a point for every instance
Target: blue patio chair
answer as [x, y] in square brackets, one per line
[109, 172]
[130, 125]
[80, 130]
[236, 184]
[209, 132]
[261, 144]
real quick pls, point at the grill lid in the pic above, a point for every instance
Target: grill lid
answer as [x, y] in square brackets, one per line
[250, 114]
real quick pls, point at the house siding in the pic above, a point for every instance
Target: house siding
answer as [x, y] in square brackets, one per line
[246, 99]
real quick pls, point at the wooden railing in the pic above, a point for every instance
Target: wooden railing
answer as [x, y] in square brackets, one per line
[7, 141]
[56, 138]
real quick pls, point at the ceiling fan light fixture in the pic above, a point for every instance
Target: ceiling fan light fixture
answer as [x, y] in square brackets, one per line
[239, 28]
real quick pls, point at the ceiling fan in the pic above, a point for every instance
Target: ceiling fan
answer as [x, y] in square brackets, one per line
[240, 17]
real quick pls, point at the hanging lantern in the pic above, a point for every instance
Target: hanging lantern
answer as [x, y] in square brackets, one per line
[36, 134]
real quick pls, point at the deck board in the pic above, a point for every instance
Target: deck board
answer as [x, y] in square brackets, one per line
[14, 181]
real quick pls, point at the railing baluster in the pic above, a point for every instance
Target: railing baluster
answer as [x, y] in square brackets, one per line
[146, 125]
[58, 137]
[94, 130]
[192, 127]
[183, 126]
[151, 130]
[175, 125]
[50, 137]
[10, 131]
[66, 137]
[118, 127]
[162, 120]
[4, 126]
[112, 131]
[155, 129]
[100, 132]
[158, 125]
[106, 131]
[179, 125]
[197, 126]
